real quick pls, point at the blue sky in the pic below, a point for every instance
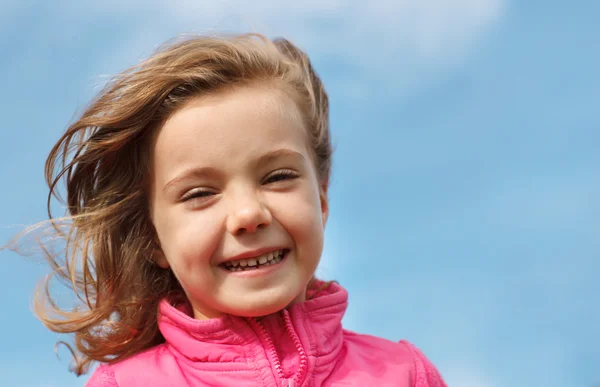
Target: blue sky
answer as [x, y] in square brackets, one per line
[465, 209]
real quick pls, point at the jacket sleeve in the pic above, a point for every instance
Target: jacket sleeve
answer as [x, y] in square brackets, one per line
[425, 373]
[102, 377]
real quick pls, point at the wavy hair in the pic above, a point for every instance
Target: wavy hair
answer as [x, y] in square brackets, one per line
[103, 159]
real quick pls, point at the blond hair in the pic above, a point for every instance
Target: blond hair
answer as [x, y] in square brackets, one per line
[103, 158]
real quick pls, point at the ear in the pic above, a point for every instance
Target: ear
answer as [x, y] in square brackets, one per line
[158, 256]
[324, 204]
[160, 259]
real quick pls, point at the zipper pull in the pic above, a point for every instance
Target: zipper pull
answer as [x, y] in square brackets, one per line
[289, 383]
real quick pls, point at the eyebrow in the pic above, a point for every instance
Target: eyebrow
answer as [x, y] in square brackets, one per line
[274, 155]
[204, 172]
[191, 173]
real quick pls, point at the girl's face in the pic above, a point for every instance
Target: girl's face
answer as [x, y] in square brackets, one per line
[236, 202]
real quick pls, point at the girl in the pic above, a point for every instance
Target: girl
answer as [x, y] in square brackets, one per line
[197, 198]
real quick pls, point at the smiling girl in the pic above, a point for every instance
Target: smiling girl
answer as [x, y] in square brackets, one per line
[197, 197]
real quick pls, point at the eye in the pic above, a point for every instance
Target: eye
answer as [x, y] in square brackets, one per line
[196, 193]
[281, 175]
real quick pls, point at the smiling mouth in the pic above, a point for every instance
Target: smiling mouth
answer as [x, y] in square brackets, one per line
[267, 259]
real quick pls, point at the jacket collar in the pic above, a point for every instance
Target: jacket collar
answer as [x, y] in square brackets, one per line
[317, 324]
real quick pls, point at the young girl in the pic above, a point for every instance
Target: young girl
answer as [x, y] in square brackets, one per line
[197, 197]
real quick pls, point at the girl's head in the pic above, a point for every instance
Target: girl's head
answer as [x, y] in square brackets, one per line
[211, 156]
[232, 184]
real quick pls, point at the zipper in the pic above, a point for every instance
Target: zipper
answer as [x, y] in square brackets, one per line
[289, 327]
[303, 357]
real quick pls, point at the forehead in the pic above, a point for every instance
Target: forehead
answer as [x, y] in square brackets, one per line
[234, 124]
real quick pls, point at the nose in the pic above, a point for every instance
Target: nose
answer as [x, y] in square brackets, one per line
[248, 213]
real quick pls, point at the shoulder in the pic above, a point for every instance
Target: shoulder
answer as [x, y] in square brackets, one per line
[401, 355]
[425, 373]
[102, 377]
[132, 370]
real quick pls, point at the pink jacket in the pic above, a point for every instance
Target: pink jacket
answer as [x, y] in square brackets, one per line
[304, 345]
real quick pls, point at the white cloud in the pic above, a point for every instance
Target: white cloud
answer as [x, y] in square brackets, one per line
[428, 27]
[399, 38]
[402, 44]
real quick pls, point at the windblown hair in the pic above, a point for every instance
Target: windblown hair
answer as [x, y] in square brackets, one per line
[104, 160]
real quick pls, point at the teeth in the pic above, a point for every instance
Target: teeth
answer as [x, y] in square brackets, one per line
[270, 258]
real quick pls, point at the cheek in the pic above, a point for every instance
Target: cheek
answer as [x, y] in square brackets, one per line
[188, 238]
[302, 218]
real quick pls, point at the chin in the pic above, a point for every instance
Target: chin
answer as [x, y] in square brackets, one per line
[258, 305]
